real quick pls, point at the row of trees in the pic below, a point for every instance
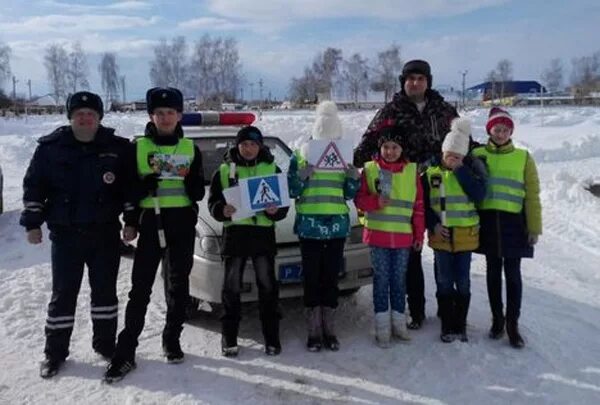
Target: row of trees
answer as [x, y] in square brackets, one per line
[331, 74]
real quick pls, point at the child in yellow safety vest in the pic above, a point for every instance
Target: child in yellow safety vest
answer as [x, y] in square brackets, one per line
[451, 190]
[511, 221]
[392, 198]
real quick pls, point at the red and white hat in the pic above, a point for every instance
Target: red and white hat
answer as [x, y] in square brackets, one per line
[499, 116]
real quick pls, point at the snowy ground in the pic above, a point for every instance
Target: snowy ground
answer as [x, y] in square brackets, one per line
[560, 321]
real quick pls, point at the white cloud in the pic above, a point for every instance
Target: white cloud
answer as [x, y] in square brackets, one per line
[396, 10]
[60, 24]
[118, 6]
[211, 23]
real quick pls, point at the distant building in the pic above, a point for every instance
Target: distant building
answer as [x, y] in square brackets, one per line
[507, 89]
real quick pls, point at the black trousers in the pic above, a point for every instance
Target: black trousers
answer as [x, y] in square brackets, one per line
[180, 236]
[415, 286]
[322, 262]
[72, 248]
[268, 295]
[514, 285]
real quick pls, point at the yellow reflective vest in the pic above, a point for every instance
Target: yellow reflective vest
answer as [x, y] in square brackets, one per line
[171, 192]
[397, 216]
[323, 193]
[506, 181]
[243, 172]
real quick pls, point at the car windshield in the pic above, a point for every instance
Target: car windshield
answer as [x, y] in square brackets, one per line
[213, 150]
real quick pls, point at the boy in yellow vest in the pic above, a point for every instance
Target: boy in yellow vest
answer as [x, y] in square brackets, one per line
[175, 190]
[511, 221]
[251, 238]
[451, 190]
[391, 196]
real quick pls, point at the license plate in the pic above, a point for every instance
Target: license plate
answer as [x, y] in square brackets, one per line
[290, 273]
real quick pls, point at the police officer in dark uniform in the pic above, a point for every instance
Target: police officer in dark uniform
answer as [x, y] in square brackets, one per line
[169, 173]
[76, 183]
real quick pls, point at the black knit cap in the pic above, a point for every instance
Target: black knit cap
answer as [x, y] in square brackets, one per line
[249, 133]
[84, 99]
[391, 134]
[416, 66]
[168, 97]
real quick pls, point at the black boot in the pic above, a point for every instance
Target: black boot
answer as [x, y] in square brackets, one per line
[497, 329]
[49, 367]
[514, 337]
[461, 310]
[270, 328]
[117, 369]
[446, 312]
[229, 333]
[171, 347]
[330, 340]
[314, 326]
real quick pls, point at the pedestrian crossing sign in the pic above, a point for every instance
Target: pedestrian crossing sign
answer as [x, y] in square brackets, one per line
[331, 159]
[262, 192]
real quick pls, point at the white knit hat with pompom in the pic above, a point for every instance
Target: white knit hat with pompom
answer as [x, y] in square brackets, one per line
[457, 140]
[327, 124]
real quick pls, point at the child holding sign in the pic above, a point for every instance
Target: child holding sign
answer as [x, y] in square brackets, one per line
[252, 237]
[392, 198]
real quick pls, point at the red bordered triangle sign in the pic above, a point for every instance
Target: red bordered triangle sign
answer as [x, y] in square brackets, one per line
[331, 159]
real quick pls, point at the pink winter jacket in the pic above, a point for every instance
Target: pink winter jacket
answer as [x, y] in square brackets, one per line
[368, 202]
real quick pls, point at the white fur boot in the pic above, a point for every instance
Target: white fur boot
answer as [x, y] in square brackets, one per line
[399, 326]
[383, 329]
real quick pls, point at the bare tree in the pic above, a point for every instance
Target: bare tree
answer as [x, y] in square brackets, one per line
[109, 75]
[585, 73]
[326, 68]
[492, 77]
[215, 69]
[553, 75]
[505, 74]
[304, 89]
[4, 63]
[169, 66]
[356, 76]
[389, 67]
[77, 70]
[56, 62]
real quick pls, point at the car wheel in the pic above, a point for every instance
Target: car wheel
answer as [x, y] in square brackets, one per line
[349, 292]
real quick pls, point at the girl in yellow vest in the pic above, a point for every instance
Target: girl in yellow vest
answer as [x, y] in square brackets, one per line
[392, 198]
[451, 190]
[511, 221]
[251, 238]
[322, 224]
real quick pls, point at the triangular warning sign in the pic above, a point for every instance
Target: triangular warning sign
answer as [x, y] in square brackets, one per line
[264, 194]
[331, 159]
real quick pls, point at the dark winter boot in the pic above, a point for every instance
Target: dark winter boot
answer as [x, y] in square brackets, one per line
[514, 337]
[461, 310]
[446, 312]
[229, 333]
[49, 367]
[314, 326]
[107, 351]
[171, 347]
[117, 369]
[497, 329]
[270, 328]
[330, 340]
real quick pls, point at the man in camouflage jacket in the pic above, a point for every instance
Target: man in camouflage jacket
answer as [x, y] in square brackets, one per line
[426, 118]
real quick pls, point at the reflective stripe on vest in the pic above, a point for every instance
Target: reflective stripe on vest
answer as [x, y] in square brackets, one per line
[171, 192]
[243, 172]
[396, 217]
[506, 181]
[323, 193]
[460, 210]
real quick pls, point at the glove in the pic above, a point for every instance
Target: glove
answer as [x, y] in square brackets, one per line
[352, 172]
[532, 239]
[150, 182]
[306, 171]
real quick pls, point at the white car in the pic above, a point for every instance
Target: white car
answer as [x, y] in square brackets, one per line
[206, 278]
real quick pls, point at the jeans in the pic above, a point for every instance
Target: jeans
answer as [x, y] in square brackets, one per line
[514, 285]
[453, 271]
[389, 278]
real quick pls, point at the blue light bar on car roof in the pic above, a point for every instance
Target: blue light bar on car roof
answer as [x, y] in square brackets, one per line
[212, 118]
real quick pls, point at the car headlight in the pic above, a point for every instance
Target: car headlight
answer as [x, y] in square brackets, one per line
[210, 247]
[355, 234]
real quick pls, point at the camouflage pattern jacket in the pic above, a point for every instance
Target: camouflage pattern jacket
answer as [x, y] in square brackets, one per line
[426, 129]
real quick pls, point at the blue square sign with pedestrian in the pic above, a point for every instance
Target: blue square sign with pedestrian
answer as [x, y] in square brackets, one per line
[264, 192]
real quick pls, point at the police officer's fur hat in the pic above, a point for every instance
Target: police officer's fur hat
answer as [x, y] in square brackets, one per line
[84, 99]
[416, 66]
[249, 133]
[168, 97]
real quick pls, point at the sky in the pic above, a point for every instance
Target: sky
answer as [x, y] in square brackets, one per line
[277, 39]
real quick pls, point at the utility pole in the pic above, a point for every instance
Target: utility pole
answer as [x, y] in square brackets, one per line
[464, 74]
[251, 91]
[123, 88]
[242, 94]
[15, 81]
[29, 85]
[260, 87]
